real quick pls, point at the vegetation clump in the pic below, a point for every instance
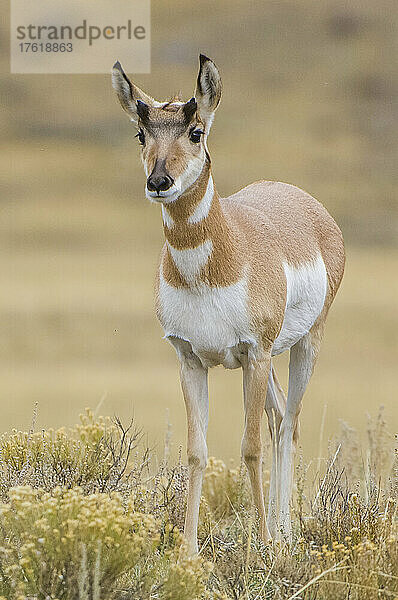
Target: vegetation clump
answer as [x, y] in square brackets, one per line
[86, 516]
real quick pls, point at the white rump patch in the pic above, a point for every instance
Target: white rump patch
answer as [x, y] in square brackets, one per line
[190, 262]
[306, 293]
[202, 209]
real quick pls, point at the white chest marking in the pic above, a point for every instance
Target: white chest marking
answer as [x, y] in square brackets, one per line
[190, 262]
[202, 209]
[213, 319]
[306, 293]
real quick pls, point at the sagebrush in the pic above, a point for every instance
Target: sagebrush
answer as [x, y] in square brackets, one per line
[85, 515]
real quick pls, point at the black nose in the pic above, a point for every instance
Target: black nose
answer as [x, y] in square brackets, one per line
[156, 183]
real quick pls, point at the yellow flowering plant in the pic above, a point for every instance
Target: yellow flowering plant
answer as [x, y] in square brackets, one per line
[56, 537]
[65, 542]
[96, 454]
[117, 535]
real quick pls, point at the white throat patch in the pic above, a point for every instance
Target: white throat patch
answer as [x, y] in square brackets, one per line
[167, 220]
[202, 209]
[190, 262]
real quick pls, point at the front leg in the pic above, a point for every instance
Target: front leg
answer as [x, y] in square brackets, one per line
[255, 382]
[194, 387]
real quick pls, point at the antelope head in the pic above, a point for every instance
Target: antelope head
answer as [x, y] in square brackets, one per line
[173, 134]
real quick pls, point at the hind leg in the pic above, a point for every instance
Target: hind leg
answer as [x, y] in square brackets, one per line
[274, 407]
[302, 359]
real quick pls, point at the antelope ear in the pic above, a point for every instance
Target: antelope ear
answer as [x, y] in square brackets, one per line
[208, 90]
[128, 93]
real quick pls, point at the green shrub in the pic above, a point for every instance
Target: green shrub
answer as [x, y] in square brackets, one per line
[95, 455]
[68, 545]
[94, 520]
[64, 540]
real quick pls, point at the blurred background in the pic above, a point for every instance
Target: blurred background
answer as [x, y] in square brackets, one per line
[310, 98]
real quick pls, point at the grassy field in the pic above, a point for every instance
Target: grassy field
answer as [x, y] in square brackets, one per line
[309, 98]
[87, 514]
[78, 324]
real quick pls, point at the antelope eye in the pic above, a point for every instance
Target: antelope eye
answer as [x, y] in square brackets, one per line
[141, 137]
[194, 135]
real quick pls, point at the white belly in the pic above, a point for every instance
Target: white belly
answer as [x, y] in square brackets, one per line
[215, 320]
[306, 293]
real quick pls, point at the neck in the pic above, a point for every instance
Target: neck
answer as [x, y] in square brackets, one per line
[199, 242]
[187, 220]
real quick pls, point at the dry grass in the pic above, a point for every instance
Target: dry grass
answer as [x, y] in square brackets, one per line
[309, 98]
[68, 542]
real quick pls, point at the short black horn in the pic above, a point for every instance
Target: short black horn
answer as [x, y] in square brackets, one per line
[142, 110]
[189, 109]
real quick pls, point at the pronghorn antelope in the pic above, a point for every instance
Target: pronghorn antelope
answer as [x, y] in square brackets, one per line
[240, 279]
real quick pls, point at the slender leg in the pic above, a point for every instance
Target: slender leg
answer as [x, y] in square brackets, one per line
[275, 407]
[302, 360]
[194, 386]
[255, 381]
